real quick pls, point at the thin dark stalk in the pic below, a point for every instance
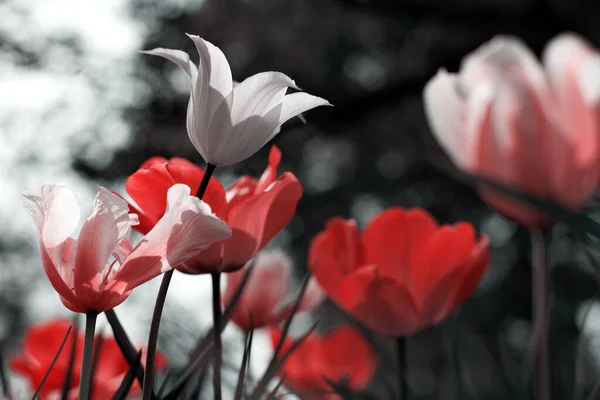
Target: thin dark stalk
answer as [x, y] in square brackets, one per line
[240, 389]
[451, 338]
[69, 375]
[85, 383]
[216, 300]
[124, 343]
[62, 345]
[402, 367]
[148, 385]
[541, 313]
[96, 356]
[4, 380]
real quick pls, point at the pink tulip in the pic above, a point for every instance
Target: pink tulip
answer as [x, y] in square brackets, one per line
[99, 270]
[534, 128]
[266, 298]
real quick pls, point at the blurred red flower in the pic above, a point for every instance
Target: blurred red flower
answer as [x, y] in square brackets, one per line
[40, 346]
[340, 355]
[267, 299]
[404, 273]
[255, 210]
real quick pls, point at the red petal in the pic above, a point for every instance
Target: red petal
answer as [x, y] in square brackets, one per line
[447, 250]
[381, 303]
[152, 161]
[474, 270]
[392, 236]
[260, 218]
[148, 188]
[242, 189]
[270, 173]
[183, 171]
[358, 365]
[334, 253]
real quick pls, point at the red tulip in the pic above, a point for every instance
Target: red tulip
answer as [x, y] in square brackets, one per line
[339, 355]
[404, 273]
[255, 210]
[99, 270]
[533, 128]
[266, 298]
[40, 347]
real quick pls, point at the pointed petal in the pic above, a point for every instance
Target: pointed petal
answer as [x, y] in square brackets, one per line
[296, 103]
[99, 236]
[58, 283]
[445, 112]
[261, 218]
[55, 212]
[381, 303]
[213, 59]
[180, 58]
[258, 94]
[187, 228]
[270, 173]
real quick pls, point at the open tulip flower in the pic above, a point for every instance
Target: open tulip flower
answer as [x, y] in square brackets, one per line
[40, 346]
[403, 274]
[266, 300]
[340, 355]
[99, 270]
[228, 123]
[533, 128]
[255, 210]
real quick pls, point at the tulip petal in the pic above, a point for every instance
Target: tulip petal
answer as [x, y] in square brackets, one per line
[381, 303]
[270, 173]
[260, 218]
[444, 253]
[445, 110]
[574, 72]
[296, 103]
[335, 253]
[258, 94]
[98, 239]
[178, 57]
[313, 296]
[55, 212]
[393, 236]
[187, 228]
[215, 62]
[264, 292]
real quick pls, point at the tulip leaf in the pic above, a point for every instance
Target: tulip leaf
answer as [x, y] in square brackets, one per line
[127, 382]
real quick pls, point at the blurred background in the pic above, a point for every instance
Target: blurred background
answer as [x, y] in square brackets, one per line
[80, 107]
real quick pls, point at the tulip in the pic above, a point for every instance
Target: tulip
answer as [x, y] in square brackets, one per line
[255, 210]
[228, 123]
[41, 344]
[265, 299]
[530, 127]
[80, 271]
[340, 355]
[403, 274]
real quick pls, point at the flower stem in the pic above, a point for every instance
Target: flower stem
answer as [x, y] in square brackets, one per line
[216, 299]
[402, 367]
[160, 303]
[88, 347]
[541, 313]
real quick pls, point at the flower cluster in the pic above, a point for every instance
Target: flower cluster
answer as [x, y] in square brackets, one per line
[502, 117]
